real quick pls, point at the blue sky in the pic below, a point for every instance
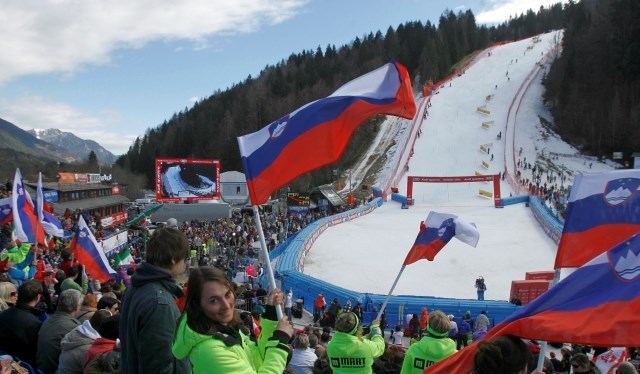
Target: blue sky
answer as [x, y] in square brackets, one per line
[108, 71]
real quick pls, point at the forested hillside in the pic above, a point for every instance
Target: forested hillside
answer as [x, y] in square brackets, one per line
[593, 90]
[429, 51]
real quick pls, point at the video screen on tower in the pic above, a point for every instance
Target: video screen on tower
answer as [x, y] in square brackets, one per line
[187, 179]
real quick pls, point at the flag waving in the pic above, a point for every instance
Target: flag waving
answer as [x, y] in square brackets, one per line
[316, 134]
[50, 223]
[25, 222]
[5, 211]
[90, 254]
[603, 209]
[437, 231]
[596, 305]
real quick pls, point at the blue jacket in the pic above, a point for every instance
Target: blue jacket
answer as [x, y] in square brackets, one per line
[463, 326]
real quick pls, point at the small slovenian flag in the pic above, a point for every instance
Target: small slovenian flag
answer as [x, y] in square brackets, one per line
[90, 254]
[25, 221]
[436, 231]
[5, 211]
[51, 224]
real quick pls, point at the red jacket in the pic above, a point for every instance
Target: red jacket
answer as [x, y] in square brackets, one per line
[99, 346]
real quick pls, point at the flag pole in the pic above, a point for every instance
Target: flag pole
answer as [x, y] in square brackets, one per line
[386, 300]
[265, 254]
[543, 345]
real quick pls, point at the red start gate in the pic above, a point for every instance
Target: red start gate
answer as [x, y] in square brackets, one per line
[461, 179]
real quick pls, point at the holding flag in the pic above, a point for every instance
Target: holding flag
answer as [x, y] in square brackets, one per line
[88, 252]
[596, 305]
[25, 222]
[50, 223]
[603, 209]
[437, 231]
[317, 133]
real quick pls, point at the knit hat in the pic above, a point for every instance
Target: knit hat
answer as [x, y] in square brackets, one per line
[172, 222]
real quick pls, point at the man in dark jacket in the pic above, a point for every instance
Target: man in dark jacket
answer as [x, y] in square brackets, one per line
[55, 328]
[19, 325]
[148, 312]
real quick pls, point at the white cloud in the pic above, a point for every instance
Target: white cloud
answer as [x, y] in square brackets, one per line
[63, 35]
[499, 11]
[34, 112]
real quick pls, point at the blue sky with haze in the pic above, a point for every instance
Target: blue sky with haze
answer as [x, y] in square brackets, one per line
[108, 71]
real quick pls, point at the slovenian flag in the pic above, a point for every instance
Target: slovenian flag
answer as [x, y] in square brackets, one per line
[90, 254]
[603, 209]
[436, 231]
[50, 223]
[25, 222]
[596, 305]
[5, 211]
[317, 133]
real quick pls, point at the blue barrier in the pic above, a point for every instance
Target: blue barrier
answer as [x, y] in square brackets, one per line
[549, 222]
[515, 200]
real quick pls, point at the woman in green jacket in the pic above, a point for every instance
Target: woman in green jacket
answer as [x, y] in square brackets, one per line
[348, 351]
[433, 347]
[208, 331]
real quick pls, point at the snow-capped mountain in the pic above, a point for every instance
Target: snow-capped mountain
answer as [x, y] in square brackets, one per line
[77, 146]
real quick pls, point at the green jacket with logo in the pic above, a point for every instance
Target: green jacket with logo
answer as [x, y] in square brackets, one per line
[233, 353]
[354, 355]
[427, 352]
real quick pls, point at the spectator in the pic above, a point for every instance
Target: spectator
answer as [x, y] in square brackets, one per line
[482, 322]
[302, 357]
[348, 351]
[8, 295]
[76, 343]
[19, 325]
[55, 328]
[15, 270]
[69, 283]
[149, 312]
[109, 303]
[582, 365]
[288, 303]
[209, 330]
[433, 347]
[502, 355]
[103, 357]
[88, 308]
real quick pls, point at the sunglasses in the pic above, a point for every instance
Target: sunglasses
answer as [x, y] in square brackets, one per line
[13, 293]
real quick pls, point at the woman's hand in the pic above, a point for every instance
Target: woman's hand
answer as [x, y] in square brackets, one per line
[275, 297]
[285, 326]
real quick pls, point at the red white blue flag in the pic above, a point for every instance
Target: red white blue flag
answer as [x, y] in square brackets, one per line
[50, 223]
[90, 254]
[25, 222]
[5, 211]
[436, 232]
[317, 133]
[603, 210]
[596, 305]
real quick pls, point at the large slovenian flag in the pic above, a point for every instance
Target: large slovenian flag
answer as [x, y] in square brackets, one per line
[436, 232]
[90, 254]
[51, 224]
[603, 209]
[25, 221]
[5, 211]
[595, 305]
[317, 133]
